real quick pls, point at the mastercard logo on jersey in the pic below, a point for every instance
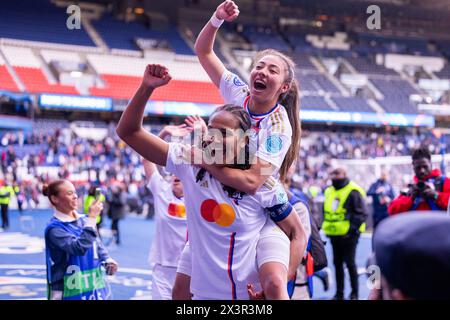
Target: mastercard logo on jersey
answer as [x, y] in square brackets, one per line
[220, 213]
[176, 210]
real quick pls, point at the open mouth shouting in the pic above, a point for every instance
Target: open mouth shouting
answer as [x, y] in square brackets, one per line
[259, 85]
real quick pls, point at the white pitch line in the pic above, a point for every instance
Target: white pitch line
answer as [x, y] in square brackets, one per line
[41, 266]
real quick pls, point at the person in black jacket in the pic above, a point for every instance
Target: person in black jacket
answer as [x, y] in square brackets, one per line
[117, 206]
[344, 219]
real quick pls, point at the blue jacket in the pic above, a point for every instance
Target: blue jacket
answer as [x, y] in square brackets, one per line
[61, 244]
[378, 208]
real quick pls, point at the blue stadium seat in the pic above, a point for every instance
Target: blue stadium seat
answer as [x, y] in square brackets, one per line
[314, 103]
[39, 21]
[352, 104]
[396, 93]
[120, 35]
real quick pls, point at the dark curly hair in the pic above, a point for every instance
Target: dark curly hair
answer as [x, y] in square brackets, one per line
[421, 153]
[245, 124]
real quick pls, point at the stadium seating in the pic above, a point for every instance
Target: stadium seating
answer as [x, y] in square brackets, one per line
[28, 69]
[315, 82]
[27, 150]
[444, 47]
[444, 73]
[120, 35]
[124, 87]
[353, 104]
[49, 125]
[264, 38]
[55, 55]
[117, 76]
[6, 80]
[35, 82]
[385, 44]
[122, 76]
[303, 62]
[314, 103]
[396, 93]
[39, 21]
[365, 66]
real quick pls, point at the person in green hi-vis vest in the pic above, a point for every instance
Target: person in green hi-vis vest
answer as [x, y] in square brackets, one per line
[344, 219]
[88, 200]
[6, 193]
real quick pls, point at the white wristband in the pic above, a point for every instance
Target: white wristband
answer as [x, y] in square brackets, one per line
[216, 22]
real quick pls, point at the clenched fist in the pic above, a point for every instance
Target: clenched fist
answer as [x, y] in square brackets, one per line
[155, 76]
[227, 11]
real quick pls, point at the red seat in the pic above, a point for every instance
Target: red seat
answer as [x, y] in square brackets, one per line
[35, 82]
[124, 87]
[6, 80]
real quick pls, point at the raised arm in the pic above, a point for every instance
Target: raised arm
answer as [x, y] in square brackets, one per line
[130, 127]
[149, 168]
[204, 45]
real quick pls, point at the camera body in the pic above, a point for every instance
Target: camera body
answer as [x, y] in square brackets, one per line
[98, 193]
[108, 268]
[421, 186]
[417, 188]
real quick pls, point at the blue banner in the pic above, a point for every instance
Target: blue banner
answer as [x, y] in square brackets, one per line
[59, 101]
[337, 117]
[368, 118]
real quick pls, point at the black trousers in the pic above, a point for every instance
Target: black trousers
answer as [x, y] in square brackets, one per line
[115, 228]
[344, 250]
[5, 219]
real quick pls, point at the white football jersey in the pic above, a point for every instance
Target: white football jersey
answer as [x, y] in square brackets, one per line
[272, 130]
[170, 221]
[223, 229]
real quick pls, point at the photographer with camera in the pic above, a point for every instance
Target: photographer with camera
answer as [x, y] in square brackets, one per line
[430, 191]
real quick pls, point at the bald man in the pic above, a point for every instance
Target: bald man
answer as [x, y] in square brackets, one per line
[344, 219]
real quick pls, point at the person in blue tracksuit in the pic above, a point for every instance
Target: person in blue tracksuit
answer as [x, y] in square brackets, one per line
[74, 251]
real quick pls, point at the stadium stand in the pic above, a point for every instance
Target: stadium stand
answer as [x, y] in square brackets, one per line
[28, 69]
[314, 103]
[122, 76]
[18, 20]
[121, 35]
[365, 66]
[444, 73]
[6, 80]
[396, 95]
[117, 76]
[354, 104]
[303, 62]
[265, 37]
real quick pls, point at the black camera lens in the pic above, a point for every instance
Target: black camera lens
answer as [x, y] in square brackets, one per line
[421, 185]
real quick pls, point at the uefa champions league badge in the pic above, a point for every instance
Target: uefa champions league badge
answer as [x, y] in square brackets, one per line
[274, 144]
[237, 82]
